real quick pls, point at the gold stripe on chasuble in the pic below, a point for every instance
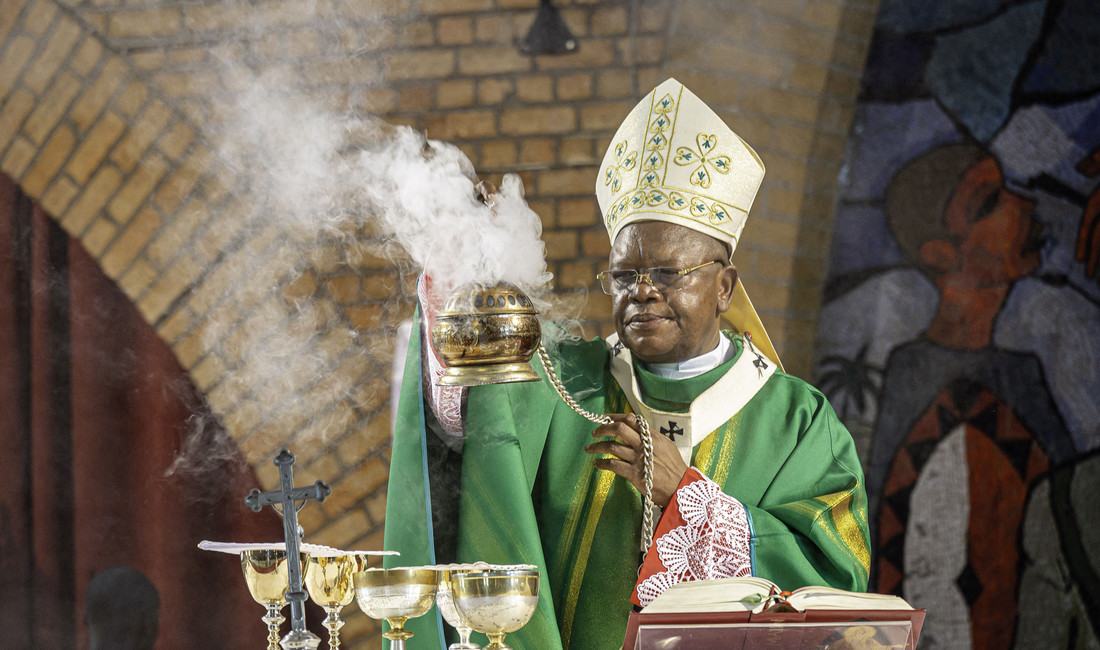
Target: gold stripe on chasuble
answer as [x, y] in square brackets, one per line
[487, 521]
[847, 528]
[714, 457]
[809, 510]
[576, 506]
[704, 455]
[577, 577]
[614, 404]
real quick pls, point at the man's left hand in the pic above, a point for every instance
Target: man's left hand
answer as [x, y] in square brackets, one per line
[628, 458]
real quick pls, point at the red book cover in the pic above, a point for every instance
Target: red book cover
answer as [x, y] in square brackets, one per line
[704, 629]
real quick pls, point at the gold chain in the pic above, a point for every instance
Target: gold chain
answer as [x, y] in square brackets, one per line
[647, 443]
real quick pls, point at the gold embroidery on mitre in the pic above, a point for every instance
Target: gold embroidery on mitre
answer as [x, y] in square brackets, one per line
[658, 143]
[715, 212]
[623, 163]
[706, 144]
[710, 187]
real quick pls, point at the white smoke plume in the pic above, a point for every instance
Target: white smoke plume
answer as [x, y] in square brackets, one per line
[339, 188]
[321, 172]
[422, 193]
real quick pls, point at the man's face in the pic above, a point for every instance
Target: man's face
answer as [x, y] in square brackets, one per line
[665, 327]
[999, 240]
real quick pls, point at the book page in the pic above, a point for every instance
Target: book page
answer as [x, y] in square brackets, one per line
[751, 595]
[728, 595]
[815, 597]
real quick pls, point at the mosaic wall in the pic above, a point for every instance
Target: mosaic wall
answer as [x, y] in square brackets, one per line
[960, 330]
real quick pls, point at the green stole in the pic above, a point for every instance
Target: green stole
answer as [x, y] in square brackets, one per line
[524, 470]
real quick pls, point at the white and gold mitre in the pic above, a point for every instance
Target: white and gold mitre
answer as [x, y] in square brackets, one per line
[674, 160]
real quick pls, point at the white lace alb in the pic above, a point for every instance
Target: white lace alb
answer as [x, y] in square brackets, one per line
[714, 541]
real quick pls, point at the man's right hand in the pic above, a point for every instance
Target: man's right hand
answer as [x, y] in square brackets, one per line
[628, 460]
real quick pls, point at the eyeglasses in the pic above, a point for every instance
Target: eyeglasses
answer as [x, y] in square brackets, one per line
[662, 279]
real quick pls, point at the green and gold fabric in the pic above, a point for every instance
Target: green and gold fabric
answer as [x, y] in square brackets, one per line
[530, 494]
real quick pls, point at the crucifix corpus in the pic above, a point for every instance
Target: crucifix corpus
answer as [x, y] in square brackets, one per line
[285, 501]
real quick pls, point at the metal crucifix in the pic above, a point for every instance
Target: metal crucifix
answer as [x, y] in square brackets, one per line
[288, 497]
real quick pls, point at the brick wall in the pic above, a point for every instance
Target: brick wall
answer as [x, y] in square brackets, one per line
[784, 74]
[112, 113]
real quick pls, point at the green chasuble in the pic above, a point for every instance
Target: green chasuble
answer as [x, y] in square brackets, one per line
[530, 493]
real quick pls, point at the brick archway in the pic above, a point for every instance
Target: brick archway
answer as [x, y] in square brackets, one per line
[106, 119]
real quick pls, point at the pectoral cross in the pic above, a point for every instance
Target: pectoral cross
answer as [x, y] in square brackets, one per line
[672, 431]
[759, 362]
[288, 496]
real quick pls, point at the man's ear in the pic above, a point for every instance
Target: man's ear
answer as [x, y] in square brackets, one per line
[727, 280]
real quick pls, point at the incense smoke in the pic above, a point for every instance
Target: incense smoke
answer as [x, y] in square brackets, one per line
[340, 188]
[422, 194]
[319, 172]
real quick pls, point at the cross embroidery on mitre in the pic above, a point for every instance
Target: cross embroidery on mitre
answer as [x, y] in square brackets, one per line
[624, 162]
[702, 155]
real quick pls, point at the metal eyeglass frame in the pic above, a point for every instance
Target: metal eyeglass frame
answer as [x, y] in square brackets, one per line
[608, 286]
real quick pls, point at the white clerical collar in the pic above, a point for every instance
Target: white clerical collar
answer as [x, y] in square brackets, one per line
[714, 406]
[696, 365]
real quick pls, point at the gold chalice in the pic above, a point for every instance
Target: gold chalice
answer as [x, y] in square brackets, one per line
[396, 595]
[444, 599]
[486, 335]
[496, 602]
[329, 583]
[267, 575]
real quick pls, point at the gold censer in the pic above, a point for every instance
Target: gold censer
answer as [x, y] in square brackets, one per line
[487, 335]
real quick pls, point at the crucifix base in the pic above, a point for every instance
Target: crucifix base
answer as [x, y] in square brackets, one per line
[300, 640]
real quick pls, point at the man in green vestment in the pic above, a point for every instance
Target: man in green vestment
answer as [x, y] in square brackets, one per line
[752, 472]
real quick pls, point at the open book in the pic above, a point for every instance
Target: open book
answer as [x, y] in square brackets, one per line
[750, 613]
[758, 594]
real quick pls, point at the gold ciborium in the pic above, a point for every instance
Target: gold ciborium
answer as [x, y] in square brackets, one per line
[266, 573]
[396, 595]
[486, 335]
[496, 602]
[329, 583]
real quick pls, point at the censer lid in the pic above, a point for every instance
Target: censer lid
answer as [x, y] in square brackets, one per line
[501, 298]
